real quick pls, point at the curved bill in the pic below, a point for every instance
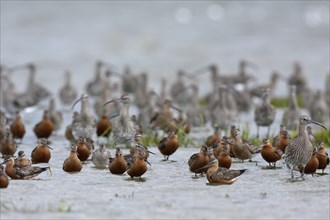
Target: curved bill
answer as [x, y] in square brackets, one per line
[78, 100]
[15, 68]
[252, 65]
[111, 101]
[176, 108]
[199, 71]
[319, 124]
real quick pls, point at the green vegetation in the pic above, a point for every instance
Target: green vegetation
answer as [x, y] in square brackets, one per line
[284, 102]
[324, 136]
[184, 139]
[252, 140]
[149, 139]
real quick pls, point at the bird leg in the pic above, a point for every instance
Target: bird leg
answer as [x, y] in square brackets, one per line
[257, 131]
[292, 171]
[268, 130]
[302, 173]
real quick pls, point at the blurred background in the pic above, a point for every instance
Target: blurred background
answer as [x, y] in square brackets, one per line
[160, 37]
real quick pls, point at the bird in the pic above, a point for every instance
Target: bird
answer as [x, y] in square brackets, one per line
[139, 146]
[137, 165]
[85, 147]
[3, 124]
[212, 139]
[45, 127]
[221, 114]
[269, 153]
[224, 158]
[322, 156]
[54, 115]
[310, 133]
[300, 150]
[8, 145]
[94, 87]
[68, 133]
[242, 150]
[117, 165]
[68, 93]
[4, 180]
[311, 165]
[221, 175]
[258, 90]
[22, 172]
[264, 114]
[290, 117]
[83, 123]
[41, 153]
[103, 127]
[168, 145]
[72, 163]
[124, 128]
[198, 160]
[22, 160]
[164, 119]
[217, 147]
[281, 140]
[100, 157]
[17, 127]
[298, 79]
[68, 130]
[318, 108]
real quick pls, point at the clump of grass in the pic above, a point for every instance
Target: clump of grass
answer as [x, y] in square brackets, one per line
[324, 136]
[202, 101]
[246, 136]
[149, 139]
[184, 139]
[284, 102]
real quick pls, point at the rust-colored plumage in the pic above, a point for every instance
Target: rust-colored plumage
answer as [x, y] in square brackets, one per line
[72, 163]
[198, 160]
[4, 180]
[168, 145]
[212, 139]
[282, 139]
[85, 147]
[270, 153]
[118, 164]
[311, 165]
[322, 156]
[17, 127]
[224, 159]
[103, 127]
[41, 153]
[137, 165]
[45, 127]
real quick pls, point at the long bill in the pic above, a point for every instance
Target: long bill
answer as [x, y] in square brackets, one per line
[74, 104]
[204, 167]
[111, 101]
[319, 124]
[176, 108]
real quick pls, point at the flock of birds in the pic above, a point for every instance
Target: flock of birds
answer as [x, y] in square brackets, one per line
[155, 113]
